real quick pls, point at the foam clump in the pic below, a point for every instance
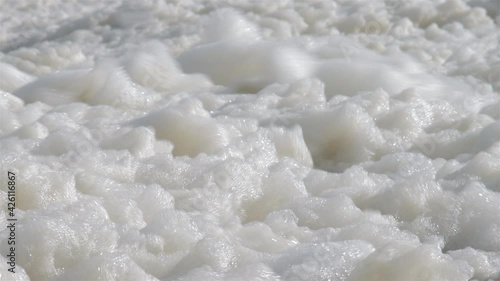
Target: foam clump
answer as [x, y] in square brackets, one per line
[12, 78]
[244, 67]
[107, 84]
[352, 137]
[405, 261]
[74, 235]
[189, 127]
[121, 267]
[243, 62]
[153, 67]
[228, 25]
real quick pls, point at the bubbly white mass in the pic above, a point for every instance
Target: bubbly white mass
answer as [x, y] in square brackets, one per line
[251, 140]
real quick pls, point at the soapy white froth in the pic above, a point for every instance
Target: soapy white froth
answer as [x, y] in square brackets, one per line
[252, 140]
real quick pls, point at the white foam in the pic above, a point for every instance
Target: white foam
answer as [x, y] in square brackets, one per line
[251, 140]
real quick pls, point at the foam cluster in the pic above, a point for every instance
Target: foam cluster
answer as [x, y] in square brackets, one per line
[252, 140]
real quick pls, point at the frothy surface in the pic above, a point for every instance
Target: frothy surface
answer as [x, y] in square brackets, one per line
[252, 140]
